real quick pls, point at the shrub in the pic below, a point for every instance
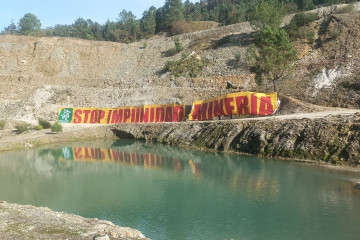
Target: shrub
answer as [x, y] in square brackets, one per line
[178, 48]
[145, 45]
[237, 57]
[304, 19]
[308, 34]
[191, 66]
[2, 124]
[56, 127]
[39, 127]
[299, 28]
[45, 124]
[178, 45]
[22, 127]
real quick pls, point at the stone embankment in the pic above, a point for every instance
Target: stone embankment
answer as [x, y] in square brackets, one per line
[322, 137]
[29, 222]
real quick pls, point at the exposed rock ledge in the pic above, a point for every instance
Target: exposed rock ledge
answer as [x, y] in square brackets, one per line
[29, 222]
[327, 137]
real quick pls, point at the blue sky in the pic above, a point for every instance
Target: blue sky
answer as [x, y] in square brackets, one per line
[51, 12]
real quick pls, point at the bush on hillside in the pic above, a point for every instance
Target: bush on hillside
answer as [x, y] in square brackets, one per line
[56, 127]
[22, 127]
[191, 66]
[45, 124]
[304, 19]
[299, 27]
[178, 48]
[2, 124]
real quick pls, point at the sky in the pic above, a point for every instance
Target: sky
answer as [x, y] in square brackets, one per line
[52, 12]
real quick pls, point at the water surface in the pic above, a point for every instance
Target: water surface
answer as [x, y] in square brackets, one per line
[172, 193]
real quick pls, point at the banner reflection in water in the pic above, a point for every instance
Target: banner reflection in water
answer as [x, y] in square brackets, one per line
[238, 182]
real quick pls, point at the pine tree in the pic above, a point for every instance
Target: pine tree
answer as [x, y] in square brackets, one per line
[272, 56]
[148, 21]
[267, 13]
[128, 22]
[11, 29]
[173, 11]
[29, 24]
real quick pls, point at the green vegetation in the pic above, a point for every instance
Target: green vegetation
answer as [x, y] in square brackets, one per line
[178, 48]
[267, 13]
[56, 127]
[39, 127]
[2, 124]
[128, 28]
[29, 24]
[172, 11]
[22, 127]
[271, 56]
[45, 124]
[299, 27]
[191, 66]
[237, 57]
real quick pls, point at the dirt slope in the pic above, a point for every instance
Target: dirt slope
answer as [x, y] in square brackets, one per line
[39, 75]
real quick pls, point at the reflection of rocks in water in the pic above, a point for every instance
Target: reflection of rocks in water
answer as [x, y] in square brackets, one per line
[29, 162]
[256, 179]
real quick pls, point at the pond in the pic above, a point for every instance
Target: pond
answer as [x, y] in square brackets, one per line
[172, 193]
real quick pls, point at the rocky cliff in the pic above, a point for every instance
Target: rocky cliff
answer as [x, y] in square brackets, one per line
[39, 75]
[313, 137]
[29, 222]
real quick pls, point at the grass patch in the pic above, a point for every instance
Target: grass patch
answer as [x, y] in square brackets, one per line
[2, 124]
[191, 66]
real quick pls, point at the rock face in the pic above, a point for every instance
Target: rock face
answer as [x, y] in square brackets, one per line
[333, 139]
[29, 222]
[40, 74]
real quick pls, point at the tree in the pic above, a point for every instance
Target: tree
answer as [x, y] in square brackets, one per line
[173, 11]
[224, 14]
[11, 29]
[95, 29]
[60, 30]
[188, 6]
[272, 56]
[108, 31]
[305, 5]
[128, 22]
[148, 21]
[29, 24]
[267, 13]
[81, 29]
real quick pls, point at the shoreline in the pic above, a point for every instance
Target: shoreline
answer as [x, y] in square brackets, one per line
[218, 136]
[17, 221]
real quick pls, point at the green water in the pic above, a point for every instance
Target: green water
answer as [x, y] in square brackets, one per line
[171, 193]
